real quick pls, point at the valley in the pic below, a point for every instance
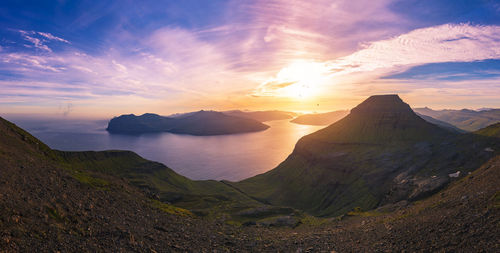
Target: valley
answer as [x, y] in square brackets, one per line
[377, 172]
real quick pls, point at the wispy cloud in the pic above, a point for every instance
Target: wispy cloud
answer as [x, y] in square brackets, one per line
[445, 43]
[52, 37]
[39, 42]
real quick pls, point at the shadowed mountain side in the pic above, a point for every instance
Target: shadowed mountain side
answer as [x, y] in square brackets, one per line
[261, 116]
[320, 119]
[468, 120]
[382, 152]
[160, 182]
[197, 123]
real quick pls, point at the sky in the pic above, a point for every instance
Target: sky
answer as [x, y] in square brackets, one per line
[106, 58]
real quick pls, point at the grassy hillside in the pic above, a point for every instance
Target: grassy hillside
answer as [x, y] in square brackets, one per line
[160, 182]
[491, 131]
[382, 152]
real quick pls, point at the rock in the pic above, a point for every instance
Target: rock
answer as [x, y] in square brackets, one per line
[280, 221]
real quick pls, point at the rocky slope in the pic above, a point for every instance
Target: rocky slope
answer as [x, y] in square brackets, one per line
[197, 123]
[381, 153]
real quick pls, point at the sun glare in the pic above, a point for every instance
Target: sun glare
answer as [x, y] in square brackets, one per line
[306, 78]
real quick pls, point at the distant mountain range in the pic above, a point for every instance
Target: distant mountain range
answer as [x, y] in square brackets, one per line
[457, 120]
[196, 123]
[465, 119]
[320, 119]
[440, 123]
[262, 116]
[382, 152]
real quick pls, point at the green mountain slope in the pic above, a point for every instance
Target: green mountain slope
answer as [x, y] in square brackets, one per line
[160, 182]
[491, 131]
[382, 152]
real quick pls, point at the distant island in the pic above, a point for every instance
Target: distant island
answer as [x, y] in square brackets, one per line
[195, 123]
[320, 119]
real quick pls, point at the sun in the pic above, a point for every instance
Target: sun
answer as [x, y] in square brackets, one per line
[302, 79]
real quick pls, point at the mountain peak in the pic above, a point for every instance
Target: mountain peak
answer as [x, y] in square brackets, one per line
[382, 103]
[380, 119]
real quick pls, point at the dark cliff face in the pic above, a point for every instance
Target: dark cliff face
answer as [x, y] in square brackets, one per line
[382, 152]
[197, 123]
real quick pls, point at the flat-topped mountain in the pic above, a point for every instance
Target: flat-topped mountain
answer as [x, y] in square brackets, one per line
[320, 119]
[468, 120]
[382, 152]
[379, 119]
[323, 119]
[196, 123]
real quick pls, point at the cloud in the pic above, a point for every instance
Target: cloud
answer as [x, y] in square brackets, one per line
[37, 43]
[170, 63]
[52, 37]
[444, 43]
[40, 42]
